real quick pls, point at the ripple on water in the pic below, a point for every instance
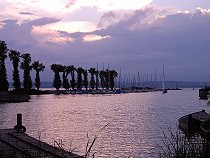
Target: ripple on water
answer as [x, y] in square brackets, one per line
[135, 121]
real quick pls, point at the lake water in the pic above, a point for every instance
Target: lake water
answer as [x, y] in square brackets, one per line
[135, 121]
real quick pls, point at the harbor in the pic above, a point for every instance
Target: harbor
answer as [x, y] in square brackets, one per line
[135, 120]
[104, 79]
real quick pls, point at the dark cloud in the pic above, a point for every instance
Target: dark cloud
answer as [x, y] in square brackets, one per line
[143, 39]
[70, 3]
[19, 36]
[43, 21]
[26, 13]
[148, 38]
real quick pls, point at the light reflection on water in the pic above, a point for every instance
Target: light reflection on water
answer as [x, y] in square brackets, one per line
[135, 121]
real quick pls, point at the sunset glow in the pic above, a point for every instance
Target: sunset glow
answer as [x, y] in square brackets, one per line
[91, 38]
[77, 26]
[44, 35]
[104, 78]
[124, 32]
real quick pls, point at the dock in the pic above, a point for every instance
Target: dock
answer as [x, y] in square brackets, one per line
[16, 143]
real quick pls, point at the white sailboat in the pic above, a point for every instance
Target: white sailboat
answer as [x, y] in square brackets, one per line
[163, 82]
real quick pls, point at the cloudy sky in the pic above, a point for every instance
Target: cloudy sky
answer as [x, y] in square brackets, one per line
[136, 35]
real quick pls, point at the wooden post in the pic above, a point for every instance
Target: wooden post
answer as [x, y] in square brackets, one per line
[19, 127]
[19, 120]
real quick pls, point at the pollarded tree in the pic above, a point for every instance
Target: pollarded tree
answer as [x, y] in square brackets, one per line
[38, 67]
[25, 65]
[107, 79]
[92, 72]
[79, 77]
[63, 70]
[4, 85]
[73, 82]
[97, 78]
[85, 74]
[113, 75]
[57, 79]
[68, 71]
[102, 75]
[15, 58]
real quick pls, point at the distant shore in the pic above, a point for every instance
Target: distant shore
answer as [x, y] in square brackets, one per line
[23, 95]
[88, 91]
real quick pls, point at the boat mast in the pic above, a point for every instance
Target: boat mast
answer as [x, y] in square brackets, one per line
[155, 79]
[143, 81]
[139, 80]
[147, 80]
[151, 81]
[103, 76]
[120, 79]
[124, 81]
[163, 79]
[108, 76]
[129, 81]
[97, 79]
[134, 81]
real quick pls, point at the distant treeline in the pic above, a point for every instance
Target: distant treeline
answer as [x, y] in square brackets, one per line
[72, 77]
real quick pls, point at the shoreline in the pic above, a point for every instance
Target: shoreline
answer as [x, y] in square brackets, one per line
[89, 91]
[17, 96]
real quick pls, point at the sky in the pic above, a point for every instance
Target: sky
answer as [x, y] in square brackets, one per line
[134, 35]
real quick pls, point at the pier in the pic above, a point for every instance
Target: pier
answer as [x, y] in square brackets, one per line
[16, 143]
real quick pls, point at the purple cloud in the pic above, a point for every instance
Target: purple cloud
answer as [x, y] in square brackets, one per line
[43, 21]
[143, 39]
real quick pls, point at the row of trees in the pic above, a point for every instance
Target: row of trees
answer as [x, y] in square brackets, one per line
[25, 65]
[104, 78]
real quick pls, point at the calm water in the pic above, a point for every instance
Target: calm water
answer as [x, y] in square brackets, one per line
[135, 121]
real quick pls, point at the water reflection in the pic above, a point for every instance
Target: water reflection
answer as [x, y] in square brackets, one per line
[135, 121]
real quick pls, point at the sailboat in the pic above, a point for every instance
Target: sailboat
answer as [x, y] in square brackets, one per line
[163, 82]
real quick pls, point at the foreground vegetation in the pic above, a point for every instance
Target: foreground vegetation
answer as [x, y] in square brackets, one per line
[180, 145]
[175, 145]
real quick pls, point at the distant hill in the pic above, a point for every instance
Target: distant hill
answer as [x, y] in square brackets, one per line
[173, 84]
[186, 84]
